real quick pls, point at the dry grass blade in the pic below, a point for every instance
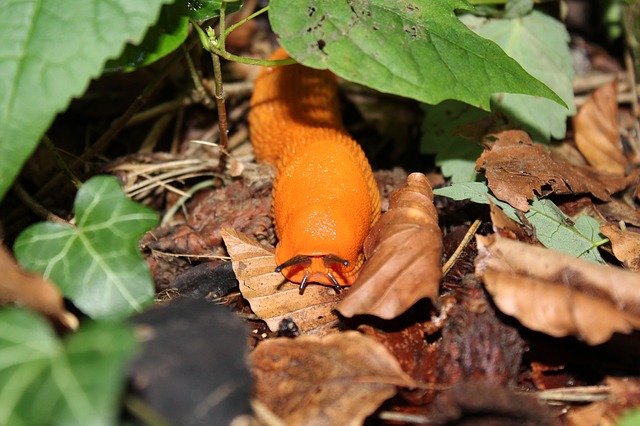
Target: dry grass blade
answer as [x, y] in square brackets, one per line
[556, 293]
[404, 251]
[271, 297]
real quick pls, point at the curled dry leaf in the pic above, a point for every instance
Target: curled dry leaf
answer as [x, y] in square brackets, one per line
[32, 291]
[338, 379]
[272, 298]
[404, 250]
[517, 169]
[625, 246]
[506, 227]
[596, 130]
[556, 293]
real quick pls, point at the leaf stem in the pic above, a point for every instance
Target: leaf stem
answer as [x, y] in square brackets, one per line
[245, 20]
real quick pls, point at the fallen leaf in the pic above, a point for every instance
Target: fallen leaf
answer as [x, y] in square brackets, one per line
[596, 130]
[517, 169]
[403, 250]
[271, 296]
[558, 294]
[506, 227]
[337, 379]
[32, 291]
[625, 246]
[624, 394]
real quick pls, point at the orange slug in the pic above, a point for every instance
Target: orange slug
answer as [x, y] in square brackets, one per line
[325, 198]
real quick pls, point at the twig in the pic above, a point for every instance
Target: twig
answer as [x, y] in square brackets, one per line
[60, 162]
[36, 207]
[463, 244]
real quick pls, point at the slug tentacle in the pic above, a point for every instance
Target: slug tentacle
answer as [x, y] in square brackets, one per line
[325, 198]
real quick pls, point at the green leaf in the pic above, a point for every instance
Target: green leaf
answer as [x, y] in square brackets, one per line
[50, 49]
[202, 10]
[96, 263]
[169, 32]
[554, 229]
[46, 381]
[455, 155]
[416, 49]
[630, 418]
[541, 45]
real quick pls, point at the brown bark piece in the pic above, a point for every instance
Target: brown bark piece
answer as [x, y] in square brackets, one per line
[271, 296]
[596, 130]
[556, 293]
[338, 379]
[517, 169]
[403, 250]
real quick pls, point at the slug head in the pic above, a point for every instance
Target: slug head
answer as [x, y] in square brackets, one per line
[317, 249]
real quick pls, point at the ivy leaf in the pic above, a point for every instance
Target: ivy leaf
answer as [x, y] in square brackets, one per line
[46, 381]
[554, 229]
[415, 49]
[50, 50]
[96, 263]
[540, 44]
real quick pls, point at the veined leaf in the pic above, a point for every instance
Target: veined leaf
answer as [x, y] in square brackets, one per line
[50, 50]
[553, 228]
[95, 263]
[46, 381]
[416, 49]
[540, 44]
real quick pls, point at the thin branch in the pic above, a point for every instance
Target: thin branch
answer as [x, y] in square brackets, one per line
[34, 206]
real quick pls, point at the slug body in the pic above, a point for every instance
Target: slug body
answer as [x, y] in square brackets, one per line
[325, 198]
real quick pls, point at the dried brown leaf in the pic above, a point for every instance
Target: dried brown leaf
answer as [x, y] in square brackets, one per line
[403, 251]
[271, 296]
[337, 379]
[517, 169]
[32, 291]
[506, 227]
[596, 130]
[556, 293]
[624, 394]
[625, 246]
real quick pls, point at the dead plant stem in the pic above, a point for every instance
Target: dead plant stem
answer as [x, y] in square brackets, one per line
[34, 206]
[48, 143]
[463, 244]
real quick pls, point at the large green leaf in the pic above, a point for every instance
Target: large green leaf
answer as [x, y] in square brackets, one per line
[95, 263]
[46, 381]
[49, 50]
[417, 49]
[540, 44]
[553, 228]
